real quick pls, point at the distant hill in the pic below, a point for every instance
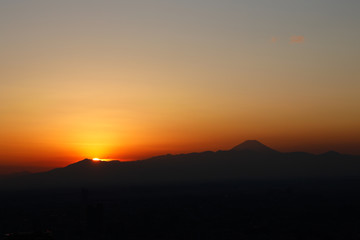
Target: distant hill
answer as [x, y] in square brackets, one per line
[249, 160]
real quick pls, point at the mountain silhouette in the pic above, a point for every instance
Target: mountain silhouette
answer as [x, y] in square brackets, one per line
[253, 145]
[89, 163]
[249, 160]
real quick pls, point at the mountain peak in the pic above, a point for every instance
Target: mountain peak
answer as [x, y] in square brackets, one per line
[253, 145]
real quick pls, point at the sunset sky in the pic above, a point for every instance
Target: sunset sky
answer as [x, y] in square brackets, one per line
[131, 79]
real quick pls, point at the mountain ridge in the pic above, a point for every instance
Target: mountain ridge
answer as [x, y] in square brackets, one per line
[249, 160]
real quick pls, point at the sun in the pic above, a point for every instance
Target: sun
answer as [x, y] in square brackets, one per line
[96, 159]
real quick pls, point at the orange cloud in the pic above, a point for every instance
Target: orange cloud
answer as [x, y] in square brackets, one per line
[297, 39]
[274, 39]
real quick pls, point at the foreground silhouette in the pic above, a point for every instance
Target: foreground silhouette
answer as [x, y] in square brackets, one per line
[248, 192]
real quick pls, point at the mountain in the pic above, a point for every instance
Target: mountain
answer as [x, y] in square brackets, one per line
[249, 160]
[253, 145]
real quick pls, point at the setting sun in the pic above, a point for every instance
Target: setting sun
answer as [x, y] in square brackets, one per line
[217, 119]
[108, 83]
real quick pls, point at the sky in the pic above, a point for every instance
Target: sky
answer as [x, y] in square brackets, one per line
[131, 79]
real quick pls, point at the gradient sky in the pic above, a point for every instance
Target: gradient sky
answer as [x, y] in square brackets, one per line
[130, 79]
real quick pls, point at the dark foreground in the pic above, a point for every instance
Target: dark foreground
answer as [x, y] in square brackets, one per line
[296, 209]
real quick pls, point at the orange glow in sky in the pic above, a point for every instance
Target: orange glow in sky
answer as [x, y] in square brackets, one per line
[125, 80]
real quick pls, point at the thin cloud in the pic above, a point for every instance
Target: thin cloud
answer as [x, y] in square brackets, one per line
[297, 39]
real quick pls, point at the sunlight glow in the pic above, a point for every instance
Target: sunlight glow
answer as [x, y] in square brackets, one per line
[96, 159]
